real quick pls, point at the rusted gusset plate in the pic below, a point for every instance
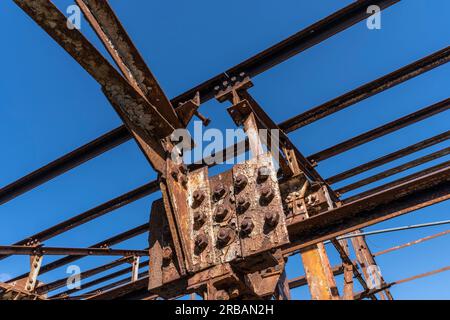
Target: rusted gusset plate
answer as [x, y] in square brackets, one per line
[197, 224]
[163, 266]
[142, 119]
[224, 220]
[389, 203]
[121, 48]
[260, 212]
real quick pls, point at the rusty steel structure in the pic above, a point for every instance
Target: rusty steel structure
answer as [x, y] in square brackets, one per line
[229, 236]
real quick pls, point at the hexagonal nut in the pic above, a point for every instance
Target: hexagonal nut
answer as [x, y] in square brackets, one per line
[199, 218]
[240, 182]
[221, 295]
[263, 174]
[267, 194]
[271, 218]
[221, 212]
[198, 197]
[224, 236]
[201, 242]
[247, 226]
[242, 204]
[219, 191]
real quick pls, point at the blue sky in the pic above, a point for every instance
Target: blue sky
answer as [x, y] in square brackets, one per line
[49, 106]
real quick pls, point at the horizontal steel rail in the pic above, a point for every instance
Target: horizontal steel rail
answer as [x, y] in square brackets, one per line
[59, 251]
[383, 130]
[103, 244]
[377, 86]
[389, 157]
[387, 173]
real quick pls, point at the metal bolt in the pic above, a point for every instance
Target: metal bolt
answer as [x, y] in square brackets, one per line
[174, 173]
[199, 217]
[183, 180]
[221, 212]
[167, 253]
[224, 236]
[183, 168]
[247, 226]
[219, 191]
[201, 242]
[198, 196]
[271, 218]
[263, 174]
[240, 182]
[243, 204]
[267, 194]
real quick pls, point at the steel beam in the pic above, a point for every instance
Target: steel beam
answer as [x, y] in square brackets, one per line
[374, 87]
[103, 244]
[56, 251]
[395, 200]
[83, 275]
[389, 157]
[387, 173]
[383, 130]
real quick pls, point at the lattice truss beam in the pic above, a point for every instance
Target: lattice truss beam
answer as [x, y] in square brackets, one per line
[150, 117]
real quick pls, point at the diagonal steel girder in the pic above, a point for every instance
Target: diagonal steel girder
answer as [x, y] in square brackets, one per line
[143, 119]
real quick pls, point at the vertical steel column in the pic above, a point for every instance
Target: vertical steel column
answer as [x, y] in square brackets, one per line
[368, 265]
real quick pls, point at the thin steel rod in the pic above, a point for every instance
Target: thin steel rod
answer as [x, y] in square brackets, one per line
[411, 243]
[414, 226]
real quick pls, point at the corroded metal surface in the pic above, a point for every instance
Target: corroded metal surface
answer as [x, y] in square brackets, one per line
[264, 235]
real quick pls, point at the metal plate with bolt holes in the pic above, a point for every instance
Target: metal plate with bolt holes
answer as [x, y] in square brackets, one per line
[226, 238]
[260, 197]
[201, 243]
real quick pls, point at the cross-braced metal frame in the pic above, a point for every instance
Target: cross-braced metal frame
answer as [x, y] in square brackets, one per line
[136, 87]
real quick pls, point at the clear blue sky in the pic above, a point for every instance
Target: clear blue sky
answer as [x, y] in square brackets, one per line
[49, 106]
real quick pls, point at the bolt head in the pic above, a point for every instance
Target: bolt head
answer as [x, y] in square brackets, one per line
[167, 253]
[199, 217]
[247, 226]
[224, 236]
[271, 218]
[198, 196]
[222, 295]
[201, 242]
[240, 181]
[242, 204]
[267, 194]
[183, 168]
[219, 191]
[221, 212]
[263, 174]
